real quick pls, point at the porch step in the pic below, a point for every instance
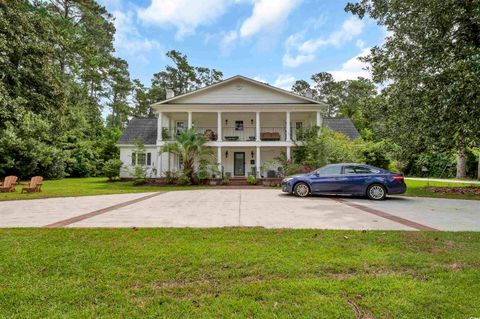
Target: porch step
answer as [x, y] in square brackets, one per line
[238, 181]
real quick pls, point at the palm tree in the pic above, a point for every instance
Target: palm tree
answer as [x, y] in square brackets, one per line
[190, 146]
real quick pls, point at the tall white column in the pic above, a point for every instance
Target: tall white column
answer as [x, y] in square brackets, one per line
[319, 122]
[159, 127]
[219, 126]
[257, 162]
[257, 125]
[288, 127]
[159, 163]
[289, 153]
[189, 120]
[219, 159]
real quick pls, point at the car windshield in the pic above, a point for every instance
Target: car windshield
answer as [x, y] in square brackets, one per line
[329, 170]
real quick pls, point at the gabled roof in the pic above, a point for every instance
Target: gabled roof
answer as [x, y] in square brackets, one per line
[342, 125]
[142, 129]
[240, 77]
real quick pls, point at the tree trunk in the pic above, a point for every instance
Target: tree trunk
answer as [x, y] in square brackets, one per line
[478, 170]
[461, 163]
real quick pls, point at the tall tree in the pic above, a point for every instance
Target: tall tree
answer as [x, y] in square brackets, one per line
[328, 91]
[141, 100]
[119, 89]
[183, 77]
[301, 87]
[57, 56]
[431, 60]
[350, 98]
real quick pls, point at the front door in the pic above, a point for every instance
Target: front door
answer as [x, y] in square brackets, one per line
[239, 163]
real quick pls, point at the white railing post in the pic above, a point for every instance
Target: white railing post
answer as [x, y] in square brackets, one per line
[289, 153]
[288, 139]
[219, 126]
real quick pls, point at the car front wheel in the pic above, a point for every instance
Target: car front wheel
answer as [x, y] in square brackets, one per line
[376, 192]
[301, 190]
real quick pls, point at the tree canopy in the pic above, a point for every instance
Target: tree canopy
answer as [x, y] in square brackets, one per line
[430, 62]
[59, 76]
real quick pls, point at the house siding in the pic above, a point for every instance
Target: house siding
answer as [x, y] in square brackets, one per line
[241, 92]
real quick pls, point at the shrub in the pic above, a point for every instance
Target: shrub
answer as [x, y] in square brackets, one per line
[171, 177]
[291, 168]
[251, 180]
[376, 154]
[202, 173]
[433, 164]
[183, 180]
[140, 173]
[226, 181]
[330, 147]
[111, 168]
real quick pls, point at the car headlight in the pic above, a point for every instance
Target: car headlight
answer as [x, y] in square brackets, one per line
[286, 179]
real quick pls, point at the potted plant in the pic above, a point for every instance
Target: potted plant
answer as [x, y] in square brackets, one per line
[251, 180]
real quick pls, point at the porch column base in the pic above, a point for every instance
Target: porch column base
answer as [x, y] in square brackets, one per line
[219, 159]
[257, 162]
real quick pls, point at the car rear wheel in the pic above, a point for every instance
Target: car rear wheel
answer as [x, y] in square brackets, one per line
[301, 190]
[376, 192]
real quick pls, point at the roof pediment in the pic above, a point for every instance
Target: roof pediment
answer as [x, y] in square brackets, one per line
[239, 90]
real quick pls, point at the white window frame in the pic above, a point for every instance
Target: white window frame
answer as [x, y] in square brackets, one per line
[135, 158]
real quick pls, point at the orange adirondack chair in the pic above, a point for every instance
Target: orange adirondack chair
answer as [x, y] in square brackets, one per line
[8, 184]
[35, 185]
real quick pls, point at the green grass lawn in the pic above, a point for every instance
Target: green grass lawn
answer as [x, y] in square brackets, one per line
[87, 186]
[100, 186]
[238, 273]
[418, 188]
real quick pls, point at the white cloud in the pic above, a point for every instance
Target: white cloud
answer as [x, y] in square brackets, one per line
[260, 79]
[127, 36]
[227, 41]
[284, 81]
[266, 16]
[353, 68]
[294, 61]
[304, 51]
[292, 42]
[360, 44]
[184, 15]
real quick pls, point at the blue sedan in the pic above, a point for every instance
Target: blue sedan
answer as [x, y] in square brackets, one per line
[350, 179]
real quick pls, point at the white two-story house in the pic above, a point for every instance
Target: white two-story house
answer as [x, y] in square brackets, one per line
[248, 124]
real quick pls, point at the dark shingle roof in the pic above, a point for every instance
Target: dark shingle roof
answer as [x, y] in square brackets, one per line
[143, 129]
[342, 125]
[146, 130]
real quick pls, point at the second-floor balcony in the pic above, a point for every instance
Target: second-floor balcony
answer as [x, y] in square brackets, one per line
[241, 127]
[230, 134]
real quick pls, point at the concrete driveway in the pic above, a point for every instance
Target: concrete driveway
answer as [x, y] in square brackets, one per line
[242, 208]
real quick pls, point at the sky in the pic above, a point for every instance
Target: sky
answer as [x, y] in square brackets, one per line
[274, 41]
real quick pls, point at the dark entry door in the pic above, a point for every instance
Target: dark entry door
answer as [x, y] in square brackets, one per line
[239, 163]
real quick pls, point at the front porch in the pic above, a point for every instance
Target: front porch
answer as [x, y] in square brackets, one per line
[261, 162]
[235, 162]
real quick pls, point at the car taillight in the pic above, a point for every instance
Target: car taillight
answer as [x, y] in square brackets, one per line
[398, 178]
